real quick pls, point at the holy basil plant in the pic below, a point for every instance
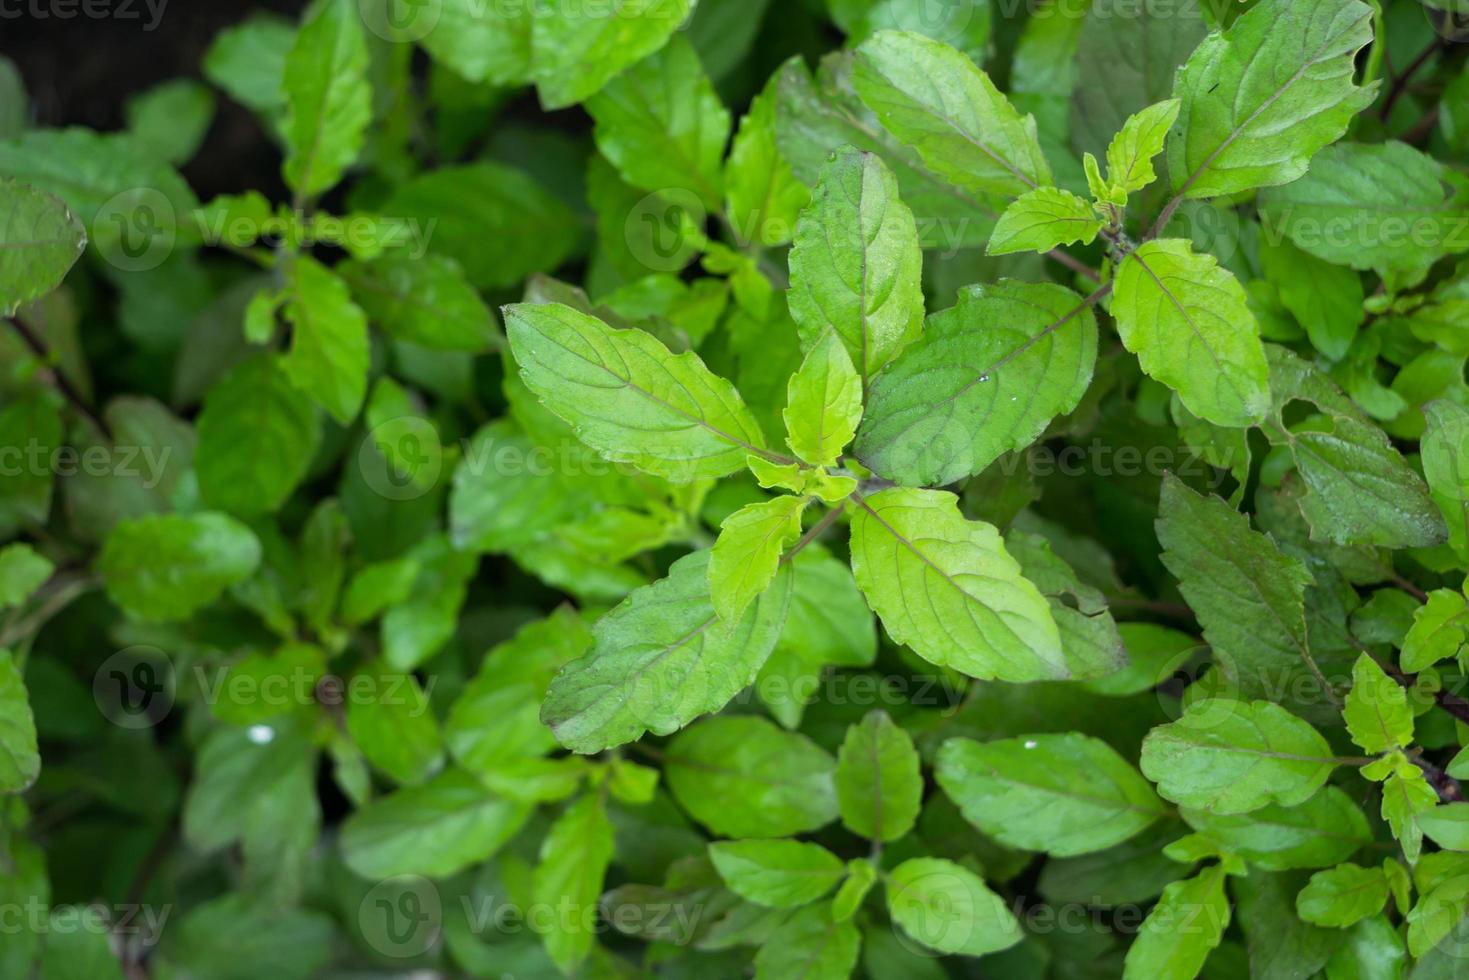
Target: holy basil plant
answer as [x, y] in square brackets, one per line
[883, 489]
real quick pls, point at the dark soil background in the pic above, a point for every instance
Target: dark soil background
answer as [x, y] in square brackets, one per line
[80, 71]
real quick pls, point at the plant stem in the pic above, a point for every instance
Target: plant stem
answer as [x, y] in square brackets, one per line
[38, 347]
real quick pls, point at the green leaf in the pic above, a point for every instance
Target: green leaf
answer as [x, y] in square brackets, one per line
[1187, 320]
[1326, 299]
[1063, 794]
[1249, 596]
[861, 876]
[856, 265]
[1377, 712]
[394, 726]
[629, 397]
[172, 119]
[1236, 756]
[987, 377]
[40, 240]
[936, 100]
[1262, 97]
[1126, 61]
[1445, 449]
[425, 301]
[578, 51]
[1041, 219]
[947, 907]
[1438, 631]
[947, 588]
[1383, 206]
[764, 197]
[1405, 796]
[482, 42]
[1447, 825]
[215, 937]
[662, 658]
[257, 434]
[328, 98]
[248, 61]
[1325, 830]
[879, 779]
[1342, 896]
[329, 353]
[77, 945]
[779, 874]
[823, 403]
[28, 422]
[574, 859]
[447, 824]
[499, 224]
[20, 761]
[745, 559]
[1181, 930]
[810, 945]
[22, 572]
[165, 567]
[784, 781]
[375, 587]
[662, 126]
[1131, 152]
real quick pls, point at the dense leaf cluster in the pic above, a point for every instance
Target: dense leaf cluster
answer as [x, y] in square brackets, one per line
[884, 488]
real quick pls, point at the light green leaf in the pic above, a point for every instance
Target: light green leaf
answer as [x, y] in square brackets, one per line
[1438, 631]
[879, 779]
[1187, 320]
[1131, 152]
[164, 567]
[171, 120]
[484, 42]
[329, 353]
[937, 101]
[1181, 930]
[810, 945]
[823, 403]
[1377, 712]
[20, 761]
[629, 397]
[861, 876]
[764, 197]
[1262, 97]
[424, 301]
[395, 728]
[662, 658]
[248, 61]
[856, 268]
[662, 126]
[434, 830]
[257, 434]
[1064, 794]
[1236, 756]
[22, 572]
[1447, 825]
[1445, 449]
[1383, 206]
[947, 907]
[986, 378]
[496, 718]
[1406, 795]
[946, 587]
[40, 240]
[1041, 219]
[779, 874]
[745, 559]
[1342, 896]
[784, 781]
[579, 50]
[574, 859]
[328, 98]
